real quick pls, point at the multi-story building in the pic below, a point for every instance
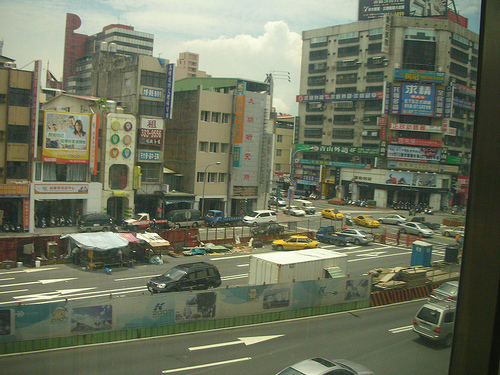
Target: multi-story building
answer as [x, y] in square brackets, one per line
[283, 145]
[79, 50]
[220, 139]
[16, 107]
[386, 109]
[187, 66]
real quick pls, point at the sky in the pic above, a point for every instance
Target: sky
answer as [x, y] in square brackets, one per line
[239, 39]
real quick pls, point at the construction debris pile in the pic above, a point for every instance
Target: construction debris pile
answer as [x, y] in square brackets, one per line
[412, 277]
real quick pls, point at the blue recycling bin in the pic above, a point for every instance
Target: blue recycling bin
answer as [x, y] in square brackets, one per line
[421, 254]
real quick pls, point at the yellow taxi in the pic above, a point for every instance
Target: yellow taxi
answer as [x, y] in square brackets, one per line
[332, 213]
[295, 242]
[366, 221]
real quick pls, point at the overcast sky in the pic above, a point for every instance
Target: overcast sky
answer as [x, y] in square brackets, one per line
[234, 38]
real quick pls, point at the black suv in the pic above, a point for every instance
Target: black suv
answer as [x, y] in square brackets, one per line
[198, 275]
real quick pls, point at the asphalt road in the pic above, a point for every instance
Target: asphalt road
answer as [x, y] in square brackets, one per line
[379, 338]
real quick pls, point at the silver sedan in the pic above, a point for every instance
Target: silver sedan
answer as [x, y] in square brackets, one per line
[393, 219]
[416, 229]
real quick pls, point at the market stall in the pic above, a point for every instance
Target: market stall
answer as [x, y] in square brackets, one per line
[155, 245]
[97, 250]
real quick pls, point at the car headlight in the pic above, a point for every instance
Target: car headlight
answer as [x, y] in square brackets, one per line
[162, 286]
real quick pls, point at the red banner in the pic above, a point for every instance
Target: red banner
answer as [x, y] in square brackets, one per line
[414, 142]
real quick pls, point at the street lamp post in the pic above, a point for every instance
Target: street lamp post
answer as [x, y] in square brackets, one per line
[204, 182]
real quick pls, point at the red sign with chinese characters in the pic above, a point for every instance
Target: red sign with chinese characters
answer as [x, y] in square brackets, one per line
[151, 137]
[414, 142]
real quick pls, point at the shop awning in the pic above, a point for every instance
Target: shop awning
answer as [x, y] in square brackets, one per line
[153, 239]
[99, 241]
[129, 237]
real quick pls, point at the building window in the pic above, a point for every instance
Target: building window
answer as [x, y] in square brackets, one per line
[370, 134]
[374, 48]
[203, 147]
[18, 134]
[118, 175]
[352, 37]
[278, 152]
[214, 147]
[314, 106]
[351, 64]
[460, 56]
[212, 177]
[375, 76]
[205, 116]
[226, 118]
[373, 105]
[317, 67]
[153, 79]
[343, 119]
[342, 134]
[460, 41]
[277, 167]
[318, 55]
[222, 177]
[347, 78]
[374, 88]
[19, 97]
[215, 116]
[151, 108]
[314, 119]
[64, 172]
[313, 133]
[320, 41]
[316, 81]
[279, 138]
[376, 33]
[224, 148]
[200, 177]
[457, 69]
[348, 51]
[17, 170]
[419, 55]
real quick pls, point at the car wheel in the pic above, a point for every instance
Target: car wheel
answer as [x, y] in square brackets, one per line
[254, 224]
[448, 340]
[446, 234]
[402, 231]
[195, 225]
[357, 242]
[280, 248]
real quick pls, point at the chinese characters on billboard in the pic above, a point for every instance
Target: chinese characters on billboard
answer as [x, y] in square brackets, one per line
[66, 137]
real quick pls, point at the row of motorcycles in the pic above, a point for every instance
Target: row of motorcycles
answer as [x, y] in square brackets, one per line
[11, 227]
[357, 203]
[54, 221]
[413, 209]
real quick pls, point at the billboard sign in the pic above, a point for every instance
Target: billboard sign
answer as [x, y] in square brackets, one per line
[418, 154]
[417, 100]
[66, 137]
[169, 92]
[370, 9]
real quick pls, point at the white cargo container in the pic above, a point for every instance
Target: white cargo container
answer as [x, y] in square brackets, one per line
[301, 265]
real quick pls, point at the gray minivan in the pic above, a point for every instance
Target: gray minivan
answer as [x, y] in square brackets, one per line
[185, 218]
[436, 321]
[96, 222]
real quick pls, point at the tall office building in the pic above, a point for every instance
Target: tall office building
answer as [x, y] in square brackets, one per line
[80, 48]
[386, 110]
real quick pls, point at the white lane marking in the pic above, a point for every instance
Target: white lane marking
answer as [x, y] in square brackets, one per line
[14, 291]
[206, 365]
[8, 278]
[401, 329]
[241, 340]
[232, 277]
[232, 257]
[136, 277]
[371, 258]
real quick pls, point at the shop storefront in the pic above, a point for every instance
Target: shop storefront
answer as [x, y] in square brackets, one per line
[14, 207]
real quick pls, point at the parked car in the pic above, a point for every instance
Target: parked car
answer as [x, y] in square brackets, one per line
[294, 211]
[332, 213]
[357, 236]
[366, 221]
[453, 231]
[321, 366]
[295, 242]
[338, 201]
[197, 275]
[447, 291]
[435, 321]
[96, 222]
[260, 216]
[305, 205]
[274, 201]
[392, 219]
[267, 228]
[416, 229]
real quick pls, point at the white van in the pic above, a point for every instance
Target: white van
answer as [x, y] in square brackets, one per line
[305, 205]
[260, 216]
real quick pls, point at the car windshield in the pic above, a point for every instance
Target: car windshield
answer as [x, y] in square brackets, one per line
[429, 315]
[175, 274]
[448, 288]
[290, 371]
[363, 232]
[254, 214]
[421, 226]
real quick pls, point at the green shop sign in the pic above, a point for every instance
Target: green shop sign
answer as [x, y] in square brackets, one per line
[372, 151]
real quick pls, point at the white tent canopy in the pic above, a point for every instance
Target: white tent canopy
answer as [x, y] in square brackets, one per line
[99, 241]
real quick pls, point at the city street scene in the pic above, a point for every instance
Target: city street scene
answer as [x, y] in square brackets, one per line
[165, 209]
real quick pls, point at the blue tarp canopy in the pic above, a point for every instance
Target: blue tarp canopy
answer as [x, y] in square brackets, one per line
[99, 241]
